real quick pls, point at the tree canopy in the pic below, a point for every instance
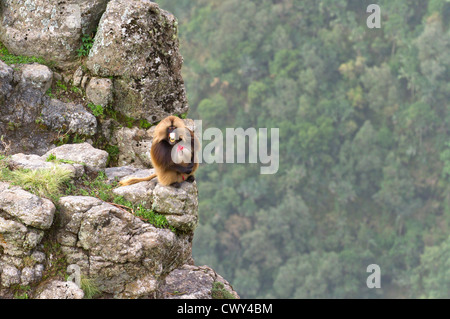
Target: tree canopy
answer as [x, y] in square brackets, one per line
[364, 144]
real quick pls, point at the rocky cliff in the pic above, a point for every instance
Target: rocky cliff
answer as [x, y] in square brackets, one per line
[71, 127]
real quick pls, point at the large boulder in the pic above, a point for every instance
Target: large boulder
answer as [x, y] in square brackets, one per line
[68, 117]
[24, 218]
[178, 205]
[83, 153]
[50, 29]
[27, 208]
[24, 103]
[196, 282]
[127, 257]
[60, 290]
[137, 44]
[134, 145]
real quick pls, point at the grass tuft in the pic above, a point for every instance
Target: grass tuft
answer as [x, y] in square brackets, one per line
[42, 182]
[89, 288]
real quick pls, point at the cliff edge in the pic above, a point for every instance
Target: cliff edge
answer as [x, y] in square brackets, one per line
[81, 85]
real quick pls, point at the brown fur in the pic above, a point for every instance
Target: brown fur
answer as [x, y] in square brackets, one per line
[168, 172]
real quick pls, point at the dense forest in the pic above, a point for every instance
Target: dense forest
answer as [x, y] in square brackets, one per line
[364, 127]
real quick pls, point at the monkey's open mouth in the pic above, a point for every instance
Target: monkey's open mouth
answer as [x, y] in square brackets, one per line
[172, 137]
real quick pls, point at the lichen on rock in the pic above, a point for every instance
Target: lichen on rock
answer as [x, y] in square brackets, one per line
[48, 29]
[136, 44]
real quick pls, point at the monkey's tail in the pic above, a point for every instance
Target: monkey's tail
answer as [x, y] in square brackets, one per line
[132, 181]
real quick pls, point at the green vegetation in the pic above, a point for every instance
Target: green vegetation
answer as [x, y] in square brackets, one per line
[97, 110]
[87, 41]
[61, 91]
[9, 58]
[113, 154]
[21, 292]
[52, 158]
[42, 182]
[144, 124]
[218, 291]
[57, 265]
[145, 214]
[89, 287]
[61, 85]
[364, 144]
[95, 187]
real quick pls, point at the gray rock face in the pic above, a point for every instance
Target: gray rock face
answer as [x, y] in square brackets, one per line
[134, 145]
[6, 77]
[137, 43]
[24, 218]
[128, 257]
[48, 29]
[99, 91]
[193, 282]
[27, 208]
[61, 290]
[10, 275]
[73, 118]
[124, 256]
[29, 119]
[24, 102]
[35, 76]
[134, 67]
[83, 153]
[180, 206]
[141, 193]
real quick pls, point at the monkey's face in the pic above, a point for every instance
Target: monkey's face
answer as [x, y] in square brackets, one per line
[172, 135]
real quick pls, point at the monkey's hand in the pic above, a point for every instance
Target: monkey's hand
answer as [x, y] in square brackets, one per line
[182, 169]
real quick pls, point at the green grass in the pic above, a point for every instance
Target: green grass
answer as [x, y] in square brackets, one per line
[9, 58]
[21, 292]
[57, 262]
[145, 214]
[61, 85]
[46, 183]
[52, 158]
[89, 287]
[218, 291]
[94, 187]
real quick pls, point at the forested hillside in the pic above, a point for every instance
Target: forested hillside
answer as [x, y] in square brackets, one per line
[364, 122]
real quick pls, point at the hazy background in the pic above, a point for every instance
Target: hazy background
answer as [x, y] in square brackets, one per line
[364, 144]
